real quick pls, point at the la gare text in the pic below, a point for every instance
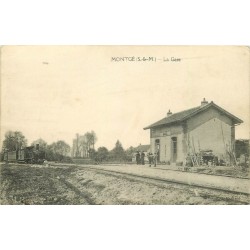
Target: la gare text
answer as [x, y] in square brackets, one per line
[145, 59]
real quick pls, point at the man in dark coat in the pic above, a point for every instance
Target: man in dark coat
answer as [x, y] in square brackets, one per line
[142, 158]
[137, 157]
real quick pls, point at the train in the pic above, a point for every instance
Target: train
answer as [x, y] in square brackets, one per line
[30, 154]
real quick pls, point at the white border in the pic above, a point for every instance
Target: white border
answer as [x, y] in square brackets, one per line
[124, 22]
[130, 22]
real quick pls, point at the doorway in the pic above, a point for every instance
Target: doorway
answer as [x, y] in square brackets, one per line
[174, 148]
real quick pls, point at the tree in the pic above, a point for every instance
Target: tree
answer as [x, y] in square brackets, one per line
[90, 139]
[14, 140]
[129, 153]
[102, 154]
[41, 142]
[57, 151]
[50, 153]
[117, 152]
[93, 154]
[82, 145]
[61, 148]
[42, 153]
[93, 138]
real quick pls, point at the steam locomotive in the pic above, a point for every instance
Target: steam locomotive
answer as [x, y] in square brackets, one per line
[30, 154]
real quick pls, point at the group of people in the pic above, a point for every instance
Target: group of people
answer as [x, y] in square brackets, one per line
[140, 158]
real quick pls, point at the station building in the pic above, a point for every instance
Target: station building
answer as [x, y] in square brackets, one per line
[206, 127]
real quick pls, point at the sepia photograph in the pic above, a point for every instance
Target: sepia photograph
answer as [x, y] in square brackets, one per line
[124, 125]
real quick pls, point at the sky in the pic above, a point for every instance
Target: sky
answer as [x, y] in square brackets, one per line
[54, 92]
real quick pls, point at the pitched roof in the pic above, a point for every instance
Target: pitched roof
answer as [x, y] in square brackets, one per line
[143, 148]
[183, 115]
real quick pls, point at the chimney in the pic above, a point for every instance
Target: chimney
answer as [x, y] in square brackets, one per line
[169, 113]
[204, 102]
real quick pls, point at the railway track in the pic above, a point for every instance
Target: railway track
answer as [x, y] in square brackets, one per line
[178, 170]
[58, 176]
[202, 191]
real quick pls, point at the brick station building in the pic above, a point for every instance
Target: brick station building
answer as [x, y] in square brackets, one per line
[206, 127]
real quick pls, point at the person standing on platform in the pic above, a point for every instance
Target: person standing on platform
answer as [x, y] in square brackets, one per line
[150, 158]
[142, 158]
[137, 157]
[155, 159]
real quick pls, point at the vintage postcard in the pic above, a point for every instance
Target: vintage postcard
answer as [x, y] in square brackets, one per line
[112, 125]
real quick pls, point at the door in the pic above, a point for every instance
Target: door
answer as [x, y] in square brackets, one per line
[174, 148]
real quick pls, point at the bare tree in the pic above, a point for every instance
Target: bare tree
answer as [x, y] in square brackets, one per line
[93, 138]
[90, 139]
[83, 143]
[83, 146]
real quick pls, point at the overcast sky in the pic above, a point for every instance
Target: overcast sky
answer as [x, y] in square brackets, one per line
[54, 92]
